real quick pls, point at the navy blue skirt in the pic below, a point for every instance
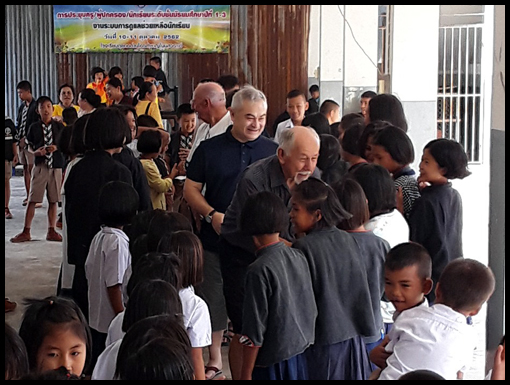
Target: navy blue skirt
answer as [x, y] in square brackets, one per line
[347, 360]
[293, 369]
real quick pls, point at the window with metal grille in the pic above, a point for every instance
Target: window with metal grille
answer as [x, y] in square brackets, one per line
[459, 107]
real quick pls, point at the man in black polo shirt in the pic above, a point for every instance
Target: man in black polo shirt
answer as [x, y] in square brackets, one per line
[296, 159]
[217, 165]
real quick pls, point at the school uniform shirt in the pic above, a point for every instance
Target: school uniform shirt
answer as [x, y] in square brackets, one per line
[391, 227]
[35, 138]
[106, 264]
[282, 127]
[197, 320]
[218, 164]
[83, 185]
[107, 362]
[115, 332]
[279, 305]
[195, 317]
[373, 252]
[340, 285]
[10, 138]
[158, 185]
[32, 117]
[205, 131]
[436, 223]
[435, 338]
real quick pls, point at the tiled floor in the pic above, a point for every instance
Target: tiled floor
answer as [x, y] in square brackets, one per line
[31, 270]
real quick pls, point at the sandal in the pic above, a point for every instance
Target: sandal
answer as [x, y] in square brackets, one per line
[216, 372]
[8, 214]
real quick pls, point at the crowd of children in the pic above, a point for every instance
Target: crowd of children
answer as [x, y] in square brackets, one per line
[349, 264]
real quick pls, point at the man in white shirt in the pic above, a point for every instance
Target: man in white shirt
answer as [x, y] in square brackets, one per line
[210, 104]
[297, 105]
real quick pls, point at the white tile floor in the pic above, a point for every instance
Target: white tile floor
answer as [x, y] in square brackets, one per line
[31, 270]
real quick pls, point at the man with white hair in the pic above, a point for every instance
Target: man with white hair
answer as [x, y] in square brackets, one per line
[294, 162]
[209, 102]
[217, 165]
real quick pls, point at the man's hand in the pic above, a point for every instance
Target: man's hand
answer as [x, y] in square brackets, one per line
[217, 221]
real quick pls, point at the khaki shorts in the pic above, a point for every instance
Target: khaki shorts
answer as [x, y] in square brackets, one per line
[8, 170]
[45, 179]
[26, 158]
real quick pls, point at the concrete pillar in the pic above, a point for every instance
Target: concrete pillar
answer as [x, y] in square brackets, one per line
[414, 72]
[496, 308]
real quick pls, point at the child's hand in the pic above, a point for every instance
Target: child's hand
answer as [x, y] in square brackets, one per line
[51, 148]
[498, 370]
[379, 355]
[183, 154]
[400, 200]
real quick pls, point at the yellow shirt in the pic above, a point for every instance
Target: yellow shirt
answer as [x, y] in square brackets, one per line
[158, 186]
[141, 107]
[57, 109]
[100, 89]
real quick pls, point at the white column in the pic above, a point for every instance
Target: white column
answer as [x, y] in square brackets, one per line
[414, 73]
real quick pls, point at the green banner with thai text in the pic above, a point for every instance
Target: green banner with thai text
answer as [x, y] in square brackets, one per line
[140, 28]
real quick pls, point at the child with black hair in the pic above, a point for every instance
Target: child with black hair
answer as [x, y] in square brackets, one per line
[318, 122]
[350, 148]
[148, 298]
[108, 259]
[56, 334]
[353, 119]
[69, 116]
[407, 281]
[392, 148]
[279, 303]
[16, 356]
[373, 248]
[98, 84]
[385, 220]
[155, 348]
[340, 284]
[331, 164]
[151, 265]
[197, 322]
[60, 374]
[440, 338]
[42, 138]
[181, 142]
[149, 146]
[436, 218]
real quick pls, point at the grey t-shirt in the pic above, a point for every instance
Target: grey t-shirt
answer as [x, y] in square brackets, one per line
[373, 252]
[279, 306]
[340, 285]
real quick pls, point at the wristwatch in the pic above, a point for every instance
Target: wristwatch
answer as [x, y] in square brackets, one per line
[209, 217]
